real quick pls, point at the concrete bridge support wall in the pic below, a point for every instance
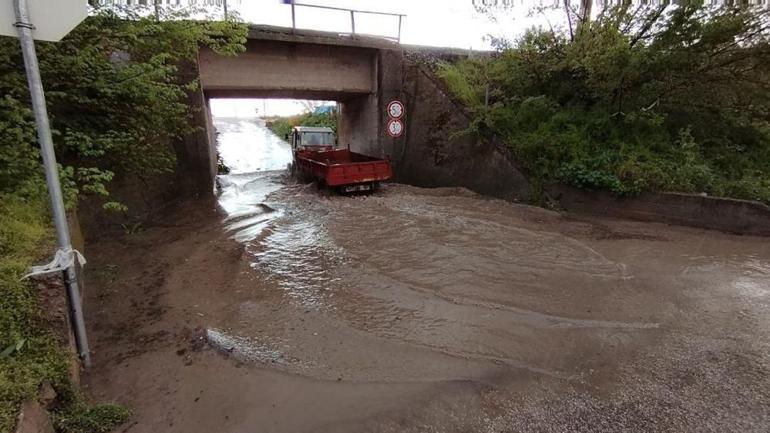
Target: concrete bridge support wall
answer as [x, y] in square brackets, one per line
[434, 152]
[196, 153]
[363, 120]
[358, 126]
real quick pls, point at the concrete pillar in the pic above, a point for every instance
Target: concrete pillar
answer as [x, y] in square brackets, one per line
[358, 125]
[196, 153]
[390, 84]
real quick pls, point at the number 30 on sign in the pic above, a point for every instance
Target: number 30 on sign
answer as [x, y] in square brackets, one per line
[395, 128]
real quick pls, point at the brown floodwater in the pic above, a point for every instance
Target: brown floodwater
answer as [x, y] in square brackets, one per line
[442, 310]
[410, 284]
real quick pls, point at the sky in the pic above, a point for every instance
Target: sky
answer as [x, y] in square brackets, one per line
[445, 23]
[450, 23]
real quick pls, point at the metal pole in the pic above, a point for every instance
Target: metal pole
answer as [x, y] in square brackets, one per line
[399, 28]
[224, 6]
[293, 18]
[24, 28]
[353, 22]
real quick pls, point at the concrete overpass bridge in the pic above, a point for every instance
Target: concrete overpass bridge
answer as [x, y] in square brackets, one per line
[363, 74]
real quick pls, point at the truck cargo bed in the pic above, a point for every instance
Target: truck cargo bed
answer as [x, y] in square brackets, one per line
[338, 168]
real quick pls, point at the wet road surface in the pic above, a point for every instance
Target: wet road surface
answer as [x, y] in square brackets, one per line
[430, 310]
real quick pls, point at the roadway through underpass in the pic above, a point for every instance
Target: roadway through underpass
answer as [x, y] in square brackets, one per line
[290, 309]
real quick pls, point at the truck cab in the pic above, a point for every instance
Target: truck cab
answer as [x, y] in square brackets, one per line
[313, 138]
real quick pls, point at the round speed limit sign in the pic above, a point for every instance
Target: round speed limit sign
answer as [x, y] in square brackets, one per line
[395, 128]
[395, 109]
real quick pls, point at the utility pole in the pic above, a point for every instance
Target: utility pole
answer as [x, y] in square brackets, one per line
[224, 7]
[65, 256]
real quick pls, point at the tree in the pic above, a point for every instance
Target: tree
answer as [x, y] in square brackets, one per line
[115, 101]
[641, 98]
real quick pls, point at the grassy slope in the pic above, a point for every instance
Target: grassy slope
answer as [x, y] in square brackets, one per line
[30, 354]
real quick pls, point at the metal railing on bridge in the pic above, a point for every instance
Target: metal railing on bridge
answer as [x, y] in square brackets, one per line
[226, 9]
[352, 12]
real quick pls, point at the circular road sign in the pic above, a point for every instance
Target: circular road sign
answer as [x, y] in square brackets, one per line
[395, 127]
[395, 109]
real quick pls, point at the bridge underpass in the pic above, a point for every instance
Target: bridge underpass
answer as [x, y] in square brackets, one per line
[362, 74]
[303, 70]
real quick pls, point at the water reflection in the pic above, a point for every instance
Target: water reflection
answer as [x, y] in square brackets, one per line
[255, 157]
[247, 146]
[292, 251]
[415, 284]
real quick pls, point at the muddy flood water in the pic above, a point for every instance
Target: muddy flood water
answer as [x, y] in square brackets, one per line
[281, 308]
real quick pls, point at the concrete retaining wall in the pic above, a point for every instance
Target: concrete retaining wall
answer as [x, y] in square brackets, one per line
[729, 215]
[196, 153]
[435, 152]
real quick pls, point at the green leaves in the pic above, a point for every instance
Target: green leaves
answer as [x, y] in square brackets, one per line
[673, 99]
[116, 99]
[13, 347]
[116, 104]
[282, 126]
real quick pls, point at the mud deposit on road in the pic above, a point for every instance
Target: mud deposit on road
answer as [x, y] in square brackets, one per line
[282, 309]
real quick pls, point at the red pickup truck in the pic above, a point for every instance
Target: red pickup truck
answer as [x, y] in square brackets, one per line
[315, 156]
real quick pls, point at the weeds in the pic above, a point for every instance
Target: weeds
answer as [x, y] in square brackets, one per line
[82, 418]
[30, 354]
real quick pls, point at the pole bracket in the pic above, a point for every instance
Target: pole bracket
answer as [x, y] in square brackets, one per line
[24, 25]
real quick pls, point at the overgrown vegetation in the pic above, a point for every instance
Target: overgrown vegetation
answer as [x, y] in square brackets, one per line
[116, 103]
[82, 418]
[30, 354]
[115, 99]
[640, 99]
[282, 126]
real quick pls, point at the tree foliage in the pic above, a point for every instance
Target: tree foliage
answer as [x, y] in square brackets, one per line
[115, 99]
[282, 126]
[643, 98]
[116, 103]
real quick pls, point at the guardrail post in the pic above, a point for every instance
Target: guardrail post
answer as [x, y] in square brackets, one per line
[399, 28]
[353, 21]
[293, 18]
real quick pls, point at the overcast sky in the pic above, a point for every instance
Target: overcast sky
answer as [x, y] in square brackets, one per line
[448, 23]
[453, 23]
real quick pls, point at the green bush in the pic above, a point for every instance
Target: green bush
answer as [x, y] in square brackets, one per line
[637, 100]
[115, 100]
[282, 126]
